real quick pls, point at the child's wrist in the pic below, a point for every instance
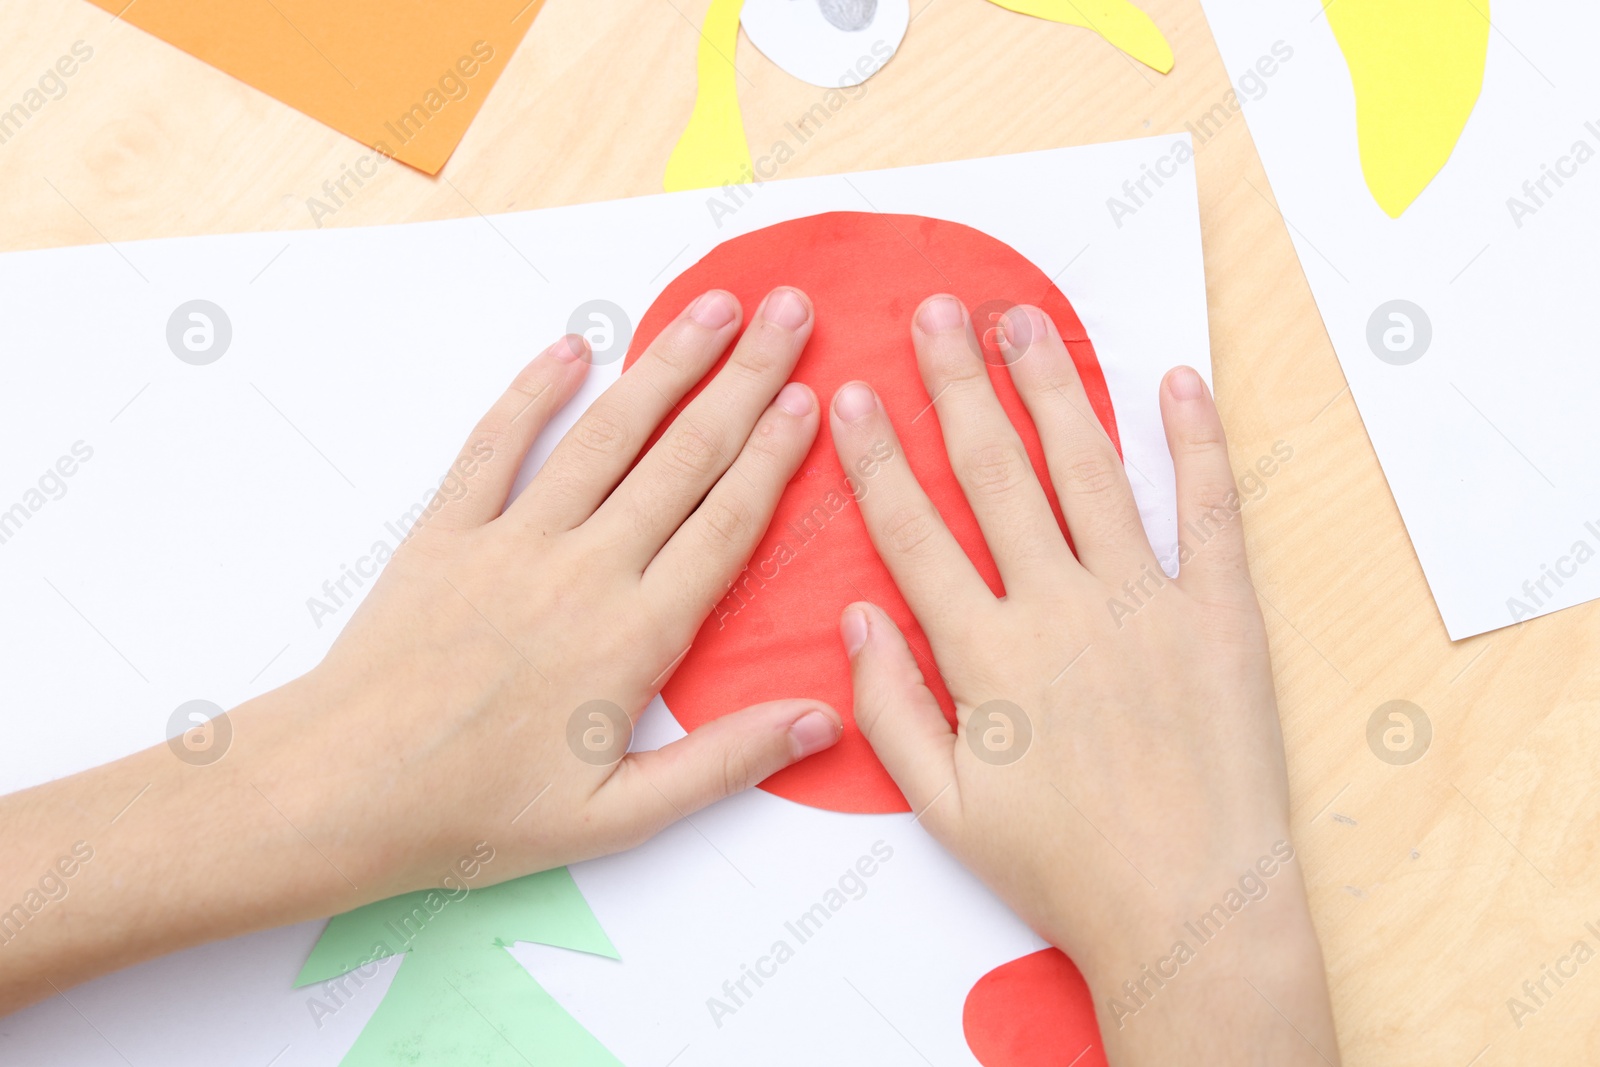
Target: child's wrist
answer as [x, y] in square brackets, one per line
[1226, 911]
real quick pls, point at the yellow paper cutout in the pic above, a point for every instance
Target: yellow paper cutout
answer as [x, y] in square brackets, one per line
[1125, 26]
[713, 150]
[1417, 68]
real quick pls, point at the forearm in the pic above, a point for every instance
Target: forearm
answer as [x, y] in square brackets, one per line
[145, 856]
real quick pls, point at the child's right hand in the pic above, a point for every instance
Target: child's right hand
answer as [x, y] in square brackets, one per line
[1154, 783]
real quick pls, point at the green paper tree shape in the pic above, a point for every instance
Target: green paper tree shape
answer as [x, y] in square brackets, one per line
[460, 998]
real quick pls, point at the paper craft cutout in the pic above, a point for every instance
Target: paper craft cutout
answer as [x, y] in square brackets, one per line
[406, 79]
[459, 996]
[713, 150]
[1033, 1012]
[827, 43]
[1417, 69]
[1118, 21]
[776, 633]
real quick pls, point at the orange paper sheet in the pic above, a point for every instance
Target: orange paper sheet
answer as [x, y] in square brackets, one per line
[403, 76]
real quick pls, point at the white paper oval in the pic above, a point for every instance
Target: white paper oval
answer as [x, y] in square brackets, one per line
[807, 38]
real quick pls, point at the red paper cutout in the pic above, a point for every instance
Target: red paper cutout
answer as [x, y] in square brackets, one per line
[776, 633]
[1033, 1012]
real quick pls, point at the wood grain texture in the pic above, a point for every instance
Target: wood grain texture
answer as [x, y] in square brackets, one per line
[1438, 887]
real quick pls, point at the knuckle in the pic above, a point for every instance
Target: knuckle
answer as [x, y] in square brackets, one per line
[490, 437]
[1069, 404]
[1216, 498]
[1092, 476]
[874, 702]
[683, 353]
[770, 442]
[1202, 437]
[1062, 383]
[766, 347]
[907, 531]
[726, 522]
[958, 367]
[600, 432]
[993, 469]
[528, 386]
[868, 712]
[691, 452]
[738, 770]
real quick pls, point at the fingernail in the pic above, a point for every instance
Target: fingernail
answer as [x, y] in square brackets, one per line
[855, 401]
[812, 732]
[714, 310]
[1185, 384]
[853, 628]
[795, 399]
[940, 314]
[570, 348]
[1025, 325]
[785, 308]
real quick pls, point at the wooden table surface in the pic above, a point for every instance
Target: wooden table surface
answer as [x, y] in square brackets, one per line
[1440, 886]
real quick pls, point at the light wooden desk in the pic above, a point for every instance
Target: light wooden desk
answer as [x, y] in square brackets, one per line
[1439, 887]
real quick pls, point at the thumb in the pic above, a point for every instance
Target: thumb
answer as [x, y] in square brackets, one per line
[722, 757]
[894, 708]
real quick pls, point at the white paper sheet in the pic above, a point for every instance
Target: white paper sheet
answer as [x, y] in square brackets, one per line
[1487, 438]
[828, 43]
[176, 563]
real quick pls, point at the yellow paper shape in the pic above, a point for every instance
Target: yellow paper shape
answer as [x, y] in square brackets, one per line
[1417, 68]
[713, 150]
[406, 78]
[1118, 21]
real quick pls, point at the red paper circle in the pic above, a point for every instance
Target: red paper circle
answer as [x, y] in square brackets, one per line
[1033, 1012]
[776, 633]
